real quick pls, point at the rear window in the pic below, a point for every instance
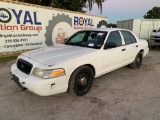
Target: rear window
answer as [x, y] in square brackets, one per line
[128, 37]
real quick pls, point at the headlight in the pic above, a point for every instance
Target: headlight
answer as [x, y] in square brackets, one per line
[38, 72]
[42, 73]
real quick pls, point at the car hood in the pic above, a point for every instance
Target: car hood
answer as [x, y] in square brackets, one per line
[57, 53]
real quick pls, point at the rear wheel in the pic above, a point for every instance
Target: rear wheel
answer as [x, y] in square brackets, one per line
[81, 81]
[137, 62]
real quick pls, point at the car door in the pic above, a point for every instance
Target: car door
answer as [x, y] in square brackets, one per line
[131, 44]
[113, 57]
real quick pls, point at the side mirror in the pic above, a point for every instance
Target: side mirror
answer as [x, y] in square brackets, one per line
[154, 31]
[110, 45]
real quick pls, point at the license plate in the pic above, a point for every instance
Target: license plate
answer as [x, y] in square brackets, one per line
[16, 80]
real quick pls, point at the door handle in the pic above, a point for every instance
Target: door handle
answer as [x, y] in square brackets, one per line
[135, 46]
[123, 49]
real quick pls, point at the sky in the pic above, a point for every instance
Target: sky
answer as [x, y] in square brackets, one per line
[117, 10]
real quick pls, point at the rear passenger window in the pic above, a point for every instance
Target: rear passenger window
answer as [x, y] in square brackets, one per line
[114, 37]
[128, 37]
[132, 37]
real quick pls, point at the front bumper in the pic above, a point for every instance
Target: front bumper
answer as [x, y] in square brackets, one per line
[154, 43]
[39, 86]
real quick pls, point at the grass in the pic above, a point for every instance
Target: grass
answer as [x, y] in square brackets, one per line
[6, 59]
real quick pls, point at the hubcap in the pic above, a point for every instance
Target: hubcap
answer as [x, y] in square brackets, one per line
[83, 81]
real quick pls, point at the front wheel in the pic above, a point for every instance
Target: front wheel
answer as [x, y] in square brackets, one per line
[137, 62]
[81, 81]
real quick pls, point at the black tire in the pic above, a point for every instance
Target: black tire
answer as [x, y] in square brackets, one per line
[81, 81]
[138, 61]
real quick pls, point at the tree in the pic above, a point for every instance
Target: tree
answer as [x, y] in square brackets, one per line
[30, 1]
[111, 25]
[89, 3]
[73, 5]
[154, 13]
[45, 2]
[68, 5]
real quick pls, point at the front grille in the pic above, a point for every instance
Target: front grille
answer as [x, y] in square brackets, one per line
[157, 37]
[157, 41]
[24, 66]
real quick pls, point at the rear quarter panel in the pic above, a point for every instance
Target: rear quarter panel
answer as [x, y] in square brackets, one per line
[144, 45]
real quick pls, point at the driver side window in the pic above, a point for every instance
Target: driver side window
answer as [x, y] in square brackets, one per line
[114, 37]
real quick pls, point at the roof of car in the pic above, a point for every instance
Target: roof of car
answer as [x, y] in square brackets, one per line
[106, 29]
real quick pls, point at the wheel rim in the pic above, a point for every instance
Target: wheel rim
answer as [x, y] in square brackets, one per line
[83, 82]
[139, 61]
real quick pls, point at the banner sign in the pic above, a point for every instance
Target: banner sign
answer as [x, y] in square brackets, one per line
[27, 27]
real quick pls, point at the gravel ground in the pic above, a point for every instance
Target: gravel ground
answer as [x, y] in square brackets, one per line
[124, 94]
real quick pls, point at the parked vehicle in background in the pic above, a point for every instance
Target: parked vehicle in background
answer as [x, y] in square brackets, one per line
[141, 27]
[72, 66]
[155, 38]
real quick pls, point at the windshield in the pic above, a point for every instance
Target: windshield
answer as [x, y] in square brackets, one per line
[90, 39]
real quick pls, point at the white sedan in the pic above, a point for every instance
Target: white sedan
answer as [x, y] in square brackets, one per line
[72, 66]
